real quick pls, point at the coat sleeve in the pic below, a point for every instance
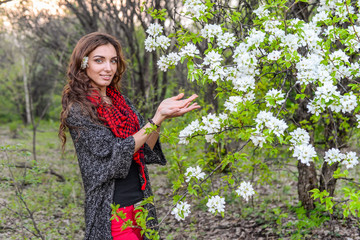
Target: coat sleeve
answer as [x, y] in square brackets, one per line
[101, 155]
[155, 155]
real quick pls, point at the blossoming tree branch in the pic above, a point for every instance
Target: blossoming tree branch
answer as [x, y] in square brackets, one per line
[286, 86]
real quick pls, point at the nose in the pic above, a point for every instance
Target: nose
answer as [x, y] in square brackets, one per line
[107, 66]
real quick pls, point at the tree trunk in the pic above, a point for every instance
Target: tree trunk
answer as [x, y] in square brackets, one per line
[306, 182]
[26, 90]
[327, 181]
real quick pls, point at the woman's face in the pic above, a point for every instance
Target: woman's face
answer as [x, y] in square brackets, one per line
[102, 66]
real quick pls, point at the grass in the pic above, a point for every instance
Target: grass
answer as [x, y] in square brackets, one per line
[57, 206]
[52, 203]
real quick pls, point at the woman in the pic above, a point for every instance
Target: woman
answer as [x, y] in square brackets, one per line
[109, 136]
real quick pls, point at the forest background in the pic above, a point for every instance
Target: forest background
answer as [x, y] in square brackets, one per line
[41, 191]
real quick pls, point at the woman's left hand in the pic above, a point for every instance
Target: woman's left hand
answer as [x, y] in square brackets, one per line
[175, 107]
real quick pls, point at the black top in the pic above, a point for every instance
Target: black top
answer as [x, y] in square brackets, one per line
[128, 190]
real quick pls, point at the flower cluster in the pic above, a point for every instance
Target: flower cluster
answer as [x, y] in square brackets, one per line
[165, 62]
[350, 160]
[333, 155]
[181, 211]
[261, 11]
[310, 68]
[154, 39]
[190, 50]
[211, 30]
[299, 137]
[188, 131]
[328, 96]
[212, 124]
[233, 101]
[274, 55]
[194, 172]
[245, 190]
[216, 204]
[194, 8]
[303, 150]
[267, 120]
[305, 153]
[274, 97]
[213, 59]
[226, 40]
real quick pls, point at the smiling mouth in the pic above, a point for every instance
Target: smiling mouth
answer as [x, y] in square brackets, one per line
[106, 76]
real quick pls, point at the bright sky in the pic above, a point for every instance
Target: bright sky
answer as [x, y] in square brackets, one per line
[51, 6]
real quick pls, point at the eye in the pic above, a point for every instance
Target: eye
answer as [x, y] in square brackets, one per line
[114, 61]
[99, 60]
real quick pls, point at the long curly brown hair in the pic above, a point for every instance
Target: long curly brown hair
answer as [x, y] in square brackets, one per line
[79, 84]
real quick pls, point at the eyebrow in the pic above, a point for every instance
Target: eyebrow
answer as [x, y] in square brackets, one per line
[99, 56]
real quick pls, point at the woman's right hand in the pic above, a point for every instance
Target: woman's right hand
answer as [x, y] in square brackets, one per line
[174, 107]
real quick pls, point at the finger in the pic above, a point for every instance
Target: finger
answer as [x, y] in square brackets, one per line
[187, 101]
[178, 97]
[188, 109]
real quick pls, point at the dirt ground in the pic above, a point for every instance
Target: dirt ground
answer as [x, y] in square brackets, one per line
[203, 225]
[199, 225]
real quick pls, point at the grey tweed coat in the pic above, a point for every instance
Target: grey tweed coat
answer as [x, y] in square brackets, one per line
[103, 158]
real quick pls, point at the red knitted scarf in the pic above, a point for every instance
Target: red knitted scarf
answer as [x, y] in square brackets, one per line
[122, 121]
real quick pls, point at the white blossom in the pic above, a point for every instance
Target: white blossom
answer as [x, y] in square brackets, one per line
[84, 62]
[258, 138]
[245, 190]
[165, 62]
[348, 102]
[255, 38]
[275, 95]
[233, 101]
[266, 119]
[190, 50]
[194, 172]
[243, 82]
[213, 59]
[309, 69]
[299, 137]
[163, 42]
[333, 155]
[261, 11]
[212, 124]
[226, 40]
[195, 8]
[271, 26]
[304, 153]
[358, 120]
[216, 204]
[188, 131]
[291, 41]
[181, 211]
[338, 57]
[216, 73]
[320, 16]
[150, 44]
[154, 29]
[211, 30]
[246, 64]
[350, 160]
[274, 55]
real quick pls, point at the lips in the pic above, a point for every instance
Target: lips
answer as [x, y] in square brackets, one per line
[106, 77]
